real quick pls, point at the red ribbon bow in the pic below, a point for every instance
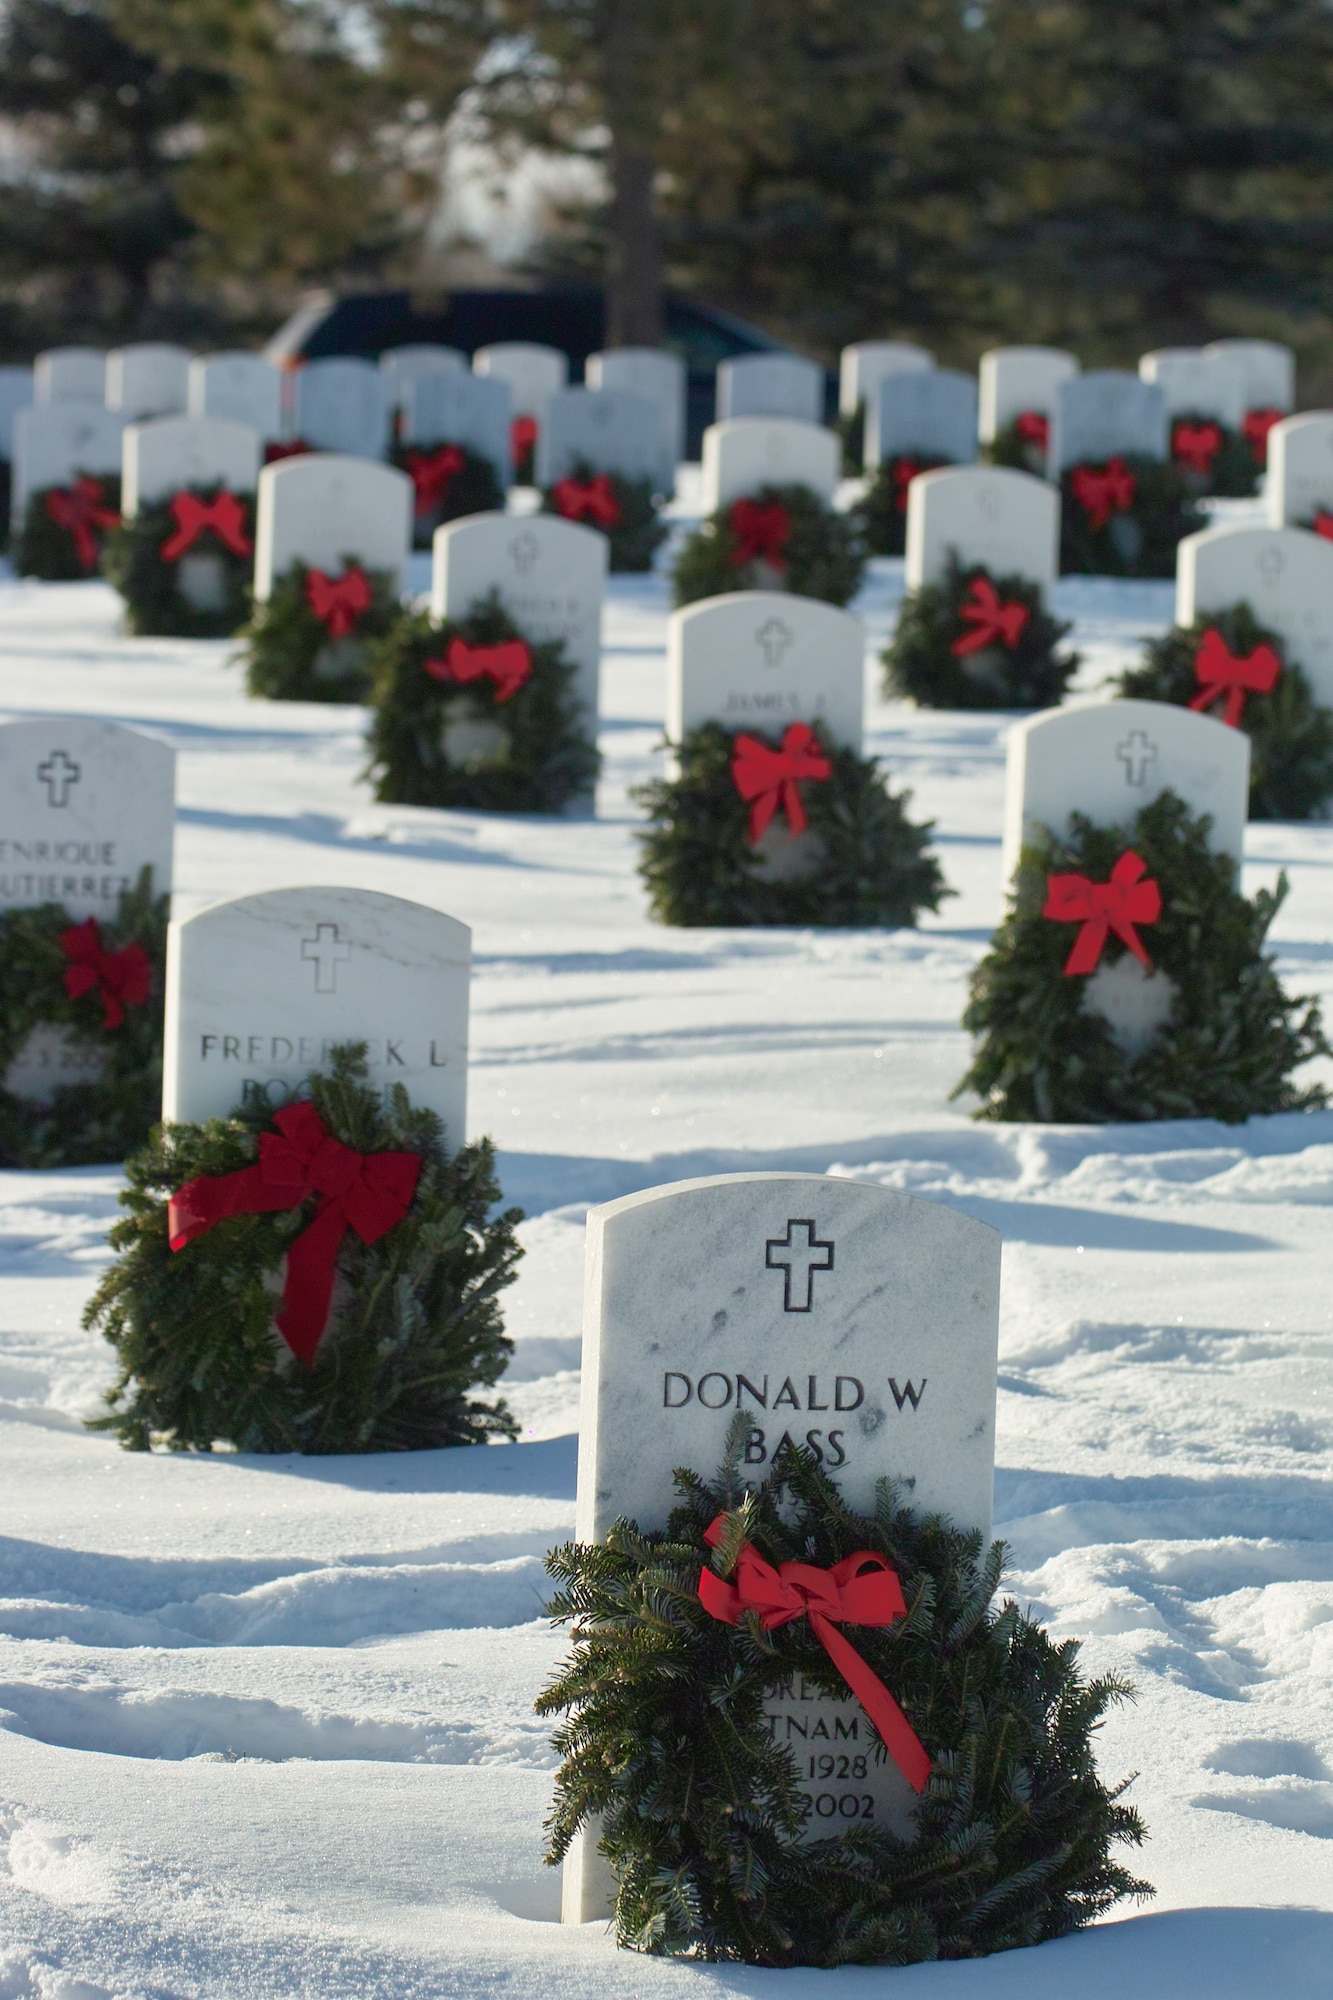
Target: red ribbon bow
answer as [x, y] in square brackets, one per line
[224, 517]
[1104, 493]
[522, 438]
[367, 1192]
[122, 978]
[588, 500]
[1220, 672]
[767, 778]
[760, 531]
[862, 1589]
[905, 471]
[1256, 426]
[1033, 428]
[1196, 445]
[81, 509]
[431, 473]
[339, 602]
[1323, 524]
[1101, 907]
[508, 665]
[990, 618]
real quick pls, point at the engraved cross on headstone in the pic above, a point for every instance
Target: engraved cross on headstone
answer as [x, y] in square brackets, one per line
[1271, 565]
[59, 773]
[796, 1257]
[524, 551]
[1136, 753]
[326, 951]
[774, 637]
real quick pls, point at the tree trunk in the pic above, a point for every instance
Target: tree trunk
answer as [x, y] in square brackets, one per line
[634, 271]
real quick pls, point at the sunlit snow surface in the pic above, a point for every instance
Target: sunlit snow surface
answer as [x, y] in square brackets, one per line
[266, 1724]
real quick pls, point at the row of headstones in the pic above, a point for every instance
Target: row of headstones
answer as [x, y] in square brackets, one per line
[417, 394]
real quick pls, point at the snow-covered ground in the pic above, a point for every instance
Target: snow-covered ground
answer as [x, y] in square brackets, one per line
[266, 1724]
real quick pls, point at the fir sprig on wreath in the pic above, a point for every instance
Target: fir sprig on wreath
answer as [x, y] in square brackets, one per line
[64, 528]
[1233, 1038]
[1291, 736]
[700, 1813]
[778, 538]
[1212, 458]
[627, 511]
[295, 654]
[100, 1120]
[143, 558]
[869, 863]
[415, 1325]
[1022, 443]
[1124, 516]
[974, 640]
[448, 481]
[882, 511]
[470, 671]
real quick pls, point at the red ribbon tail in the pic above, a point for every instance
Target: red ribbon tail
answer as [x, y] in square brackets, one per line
[1087, 946]
[895, 1731]
[1235, 707]
[308, 1292]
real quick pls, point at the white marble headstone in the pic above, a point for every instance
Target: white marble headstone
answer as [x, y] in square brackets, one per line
[549, 575]
[1014, 380]
[1300, 468]
[759, 659]
[402, 366]
[933, 412]
[261, 988]
[1111, 759]
[612, 430]
[151, 379]
[659, 375]
[750, 452]
[460, 408]
[534, 373]
[1197, 382]
[169, 453]
[240, 388]
[851, 1318]
[1285, 575]
[321, 509]
[16, 393]
[53, 442]
[342, 405]
[988, 514]
[867, 363]
[1268, 369]
[1105, 412]
[84, 807]
[770, 385]
[70, 375]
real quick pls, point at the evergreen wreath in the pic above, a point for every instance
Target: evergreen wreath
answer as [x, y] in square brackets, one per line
[1233, 1037]
[476, 669]
[295, 654]
[869, 862]
[882, 512]
[627, 511]
[700, 1810]
[143, 558]
[448, 481]
[1291, 736]
[779, 538]
[101, 985]
[64, 528]
[1022, 443]
[1212, 458]
[415, 1324]
[974, 640]
[1123, 516]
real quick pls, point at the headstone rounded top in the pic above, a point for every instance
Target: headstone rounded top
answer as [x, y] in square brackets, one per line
[1197, 381]
[55, 441]
[612, 430]
[1285, 575]
[342, 405]
[759, 659]
[1012, 380]
[149, 379]
[1268, 369]
[931, 411]
[745, 453]
[1103, 412]
[65, 374]
[654, 372]
[324, 507]
[453, 406]
[534, 372]
[865, 364]
[240, 388]
[990, 514]
[85, 805]
[166, 454]
[770, 385]
[1300, 468]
